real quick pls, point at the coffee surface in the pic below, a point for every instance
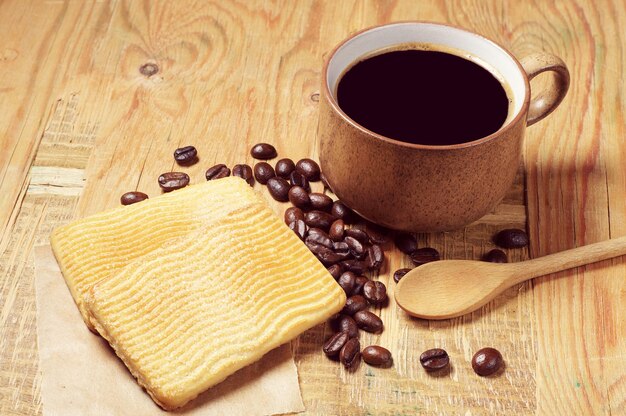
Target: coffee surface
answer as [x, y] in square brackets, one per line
[423, 97]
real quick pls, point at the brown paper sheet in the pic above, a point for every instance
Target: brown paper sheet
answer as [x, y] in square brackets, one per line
[81, 375]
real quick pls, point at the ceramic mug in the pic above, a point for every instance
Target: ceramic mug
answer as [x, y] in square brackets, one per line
[427, 188]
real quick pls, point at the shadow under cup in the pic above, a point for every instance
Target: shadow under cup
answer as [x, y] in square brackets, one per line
[414, 187]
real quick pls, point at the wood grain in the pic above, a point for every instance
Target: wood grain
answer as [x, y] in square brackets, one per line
[574, 182]
[80, 119]
[26, 81]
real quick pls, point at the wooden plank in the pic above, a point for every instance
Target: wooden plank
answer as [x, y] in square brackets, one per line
[41, 209]
[28, 32]
[576, 188]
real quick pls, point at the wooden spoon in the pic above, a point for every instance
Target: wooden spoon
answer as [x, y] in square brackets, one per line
[449, 288]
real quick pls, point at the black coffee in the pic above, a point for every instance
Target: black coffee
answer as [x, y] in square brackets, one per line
[423, 96]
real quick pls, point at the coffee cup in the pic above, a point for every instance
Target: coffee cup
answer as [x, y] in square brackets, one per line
[430, 186]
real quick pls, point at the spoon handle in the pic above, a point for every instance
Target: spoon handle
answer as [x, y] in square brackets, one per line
[569, 259]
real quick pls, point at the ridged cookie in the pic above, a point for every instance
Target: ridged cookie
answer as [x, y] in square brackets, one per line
[187, 315]
[96, 247]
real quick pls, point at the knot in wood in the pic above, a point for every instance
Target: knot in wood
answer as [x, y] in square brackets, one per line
[148, 69]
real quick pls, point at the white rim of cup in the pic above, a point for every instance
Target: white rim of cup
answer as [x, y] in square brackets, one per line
[520, 111]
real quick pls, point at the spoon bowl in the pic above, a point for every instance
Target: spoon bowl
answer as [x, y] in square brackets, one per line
[449, 288]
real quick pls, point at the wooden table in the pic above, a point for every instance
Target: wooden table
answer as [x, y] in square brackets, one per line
[80, 125]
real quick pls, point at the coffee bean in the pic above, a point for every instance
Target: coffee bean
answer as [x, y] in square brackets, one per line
[299, 197]
[359, 282]
[368, 321]
[318, 219]
[333, 346]
[328, 257]
[335, 270]
[133, 197]
[406, 243]
[325, 181]
[375, 257]
[263, 171]
[347, 281]
[186, 156]
[511, 238]
[170, 181]
[263, 151]
[341, 211]
[244, 172]
[292, 214]
[342, 249]
[377, 356]
[350, 354]
[424, 255]
[279, 189]
[399, 274]
[284, 167]
[324, 254]
[319, 231]
[309, 168]
[347, 324]
[356, 248]
[355, 266]
[354, 304]
[297, 179]
[376, 234]
[319, 238]
[298, 227]
[487, 361]
[375, 292]
[336, 230]
[315, 248]
[496, 256]
[357, 234]
[434, 359]
[321, 202]
[217, 172]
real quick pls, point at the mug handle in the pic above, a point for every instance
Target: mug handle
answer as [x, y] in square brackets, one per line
[548, 100]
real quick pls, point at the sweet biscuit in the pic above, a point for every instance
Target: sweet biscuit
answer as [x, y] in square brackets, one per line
[188, 314]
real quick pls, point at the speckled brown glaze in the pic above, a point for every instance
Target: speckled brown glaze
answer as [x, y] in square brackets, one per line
[415, 189]
[425, 188]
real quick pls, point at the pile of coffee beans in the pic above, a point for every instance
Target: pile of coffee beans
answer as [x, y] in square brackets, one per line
[344, 243]
[344, 344]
